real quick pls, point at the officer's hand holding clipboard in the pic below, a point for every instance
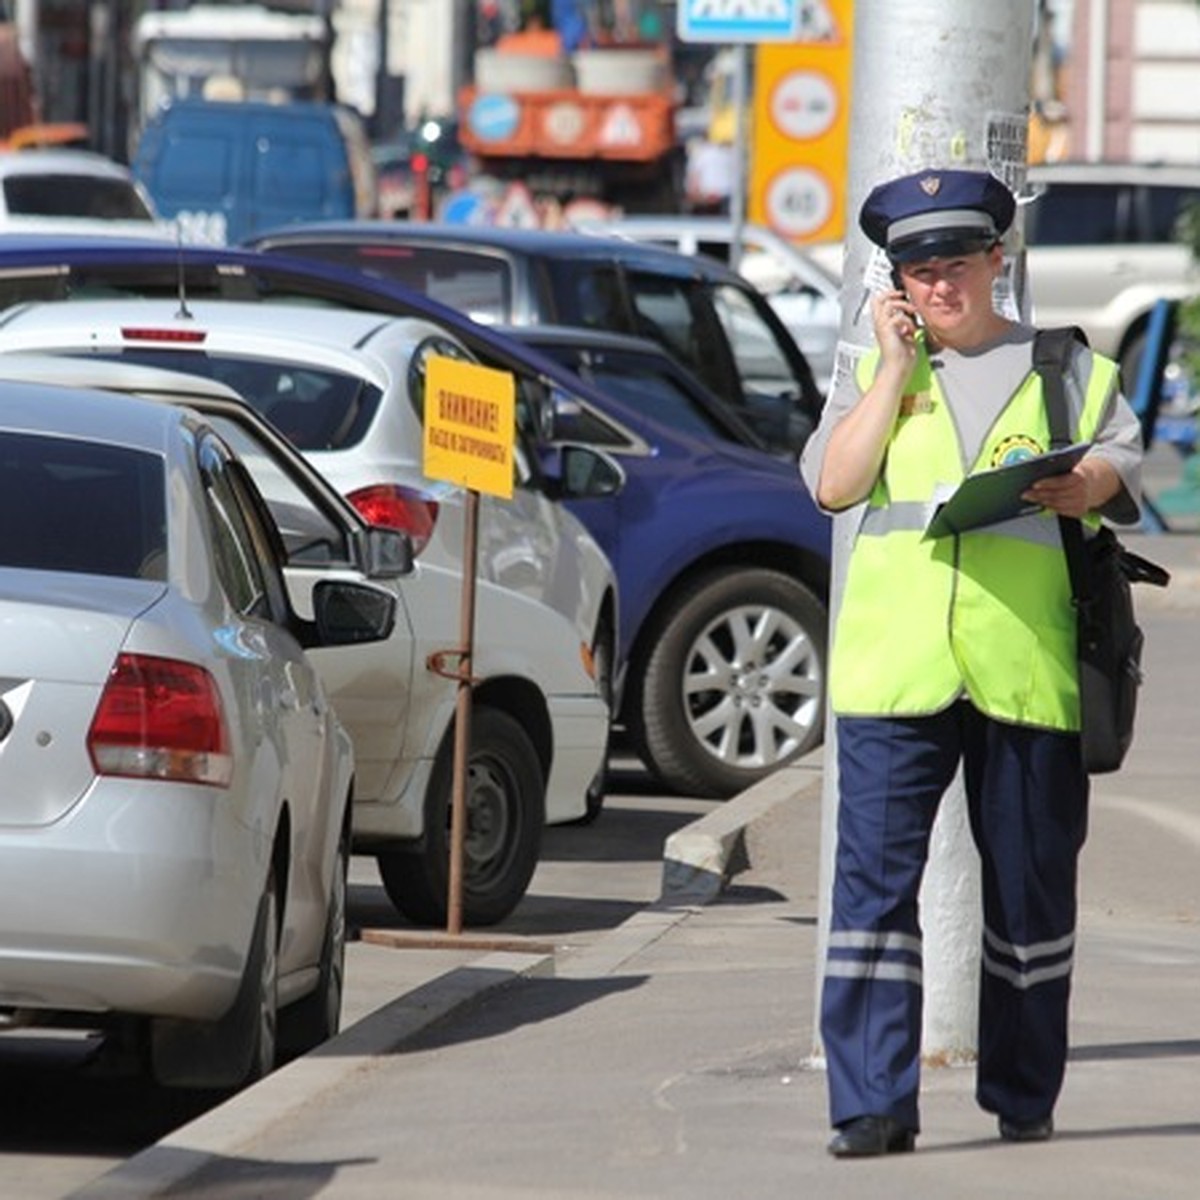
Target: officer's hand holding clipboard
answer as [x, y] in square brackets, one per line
[997, 495]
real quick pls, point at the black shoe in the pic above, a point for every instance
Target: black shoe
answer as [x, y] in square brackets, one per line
[865, 1137]
[1027, 1131]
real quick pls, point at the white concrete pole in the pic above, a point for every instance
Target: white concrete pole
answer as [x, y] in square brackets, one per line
[936, 83]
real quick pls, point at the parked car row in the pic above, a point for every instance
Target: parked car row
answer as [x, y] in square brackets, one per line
[703, 314]
[175, 834]
[659, 565]
[77, 272]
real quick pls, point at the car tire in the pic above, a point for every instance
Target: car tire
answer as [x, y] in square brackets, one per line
[240, 1047]
[266, 1031]
[604, 657]
[506, 812]
[733, 688]
[317, 1017]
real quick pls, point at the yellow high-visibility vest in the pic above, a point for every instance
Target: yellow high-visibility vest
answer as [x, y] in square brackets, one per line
[986, 613]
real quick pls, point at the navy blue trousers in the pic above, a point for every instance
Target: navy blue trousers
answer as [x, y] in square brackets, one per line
[1027, 801]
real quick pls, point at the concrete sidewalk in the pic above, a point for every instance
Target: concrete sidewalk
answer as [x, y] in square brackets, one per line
[672, 1056]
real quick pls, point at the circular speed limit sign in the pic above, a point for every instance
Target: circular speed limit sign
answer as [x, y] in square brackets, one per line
[804, 105]
[799, 201]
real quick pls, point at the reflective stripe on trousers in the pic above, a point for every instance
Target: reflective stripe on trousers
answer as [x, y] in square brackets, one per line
[1027, 803]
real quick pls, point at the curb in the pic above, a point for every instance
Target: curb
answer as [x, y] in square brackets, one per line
[698, 862]
[701, 858]
[224, 1130]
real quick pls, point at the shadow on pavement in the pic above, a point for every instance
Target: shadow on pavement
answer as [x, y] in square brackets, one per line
[1125, 1050]
[264, 1179]
[538, 914]
[524, 1002]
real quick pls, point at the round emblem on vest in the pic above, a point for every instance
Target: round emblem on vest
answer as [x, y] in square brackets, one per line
[1015, 448]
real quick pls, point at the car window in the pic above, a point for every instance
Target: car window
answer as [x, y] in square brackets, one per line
[234, 550]
[577, 421]
[774, 400]
[1081, 214]
[762, 362]
[666, 313]
[311, 535]
[590, 296]
[1165, 207]
[82, 507]
[712, 248]
[478, 285]
[62, 195]
[315, 408]
[643, 388]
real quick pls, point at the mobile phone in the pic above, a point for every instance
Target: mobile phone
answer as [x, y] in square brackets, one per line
[898, 284]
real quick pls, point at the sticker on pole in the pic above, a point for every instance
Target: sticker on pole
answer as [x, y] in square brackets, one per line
[470, 420]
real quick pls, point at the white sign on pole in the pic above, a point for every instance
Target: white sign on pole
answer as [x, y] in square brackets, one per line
[734, 21]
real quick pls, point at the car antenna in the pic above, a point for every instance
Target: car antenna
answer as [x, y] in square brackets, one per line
[184, 312]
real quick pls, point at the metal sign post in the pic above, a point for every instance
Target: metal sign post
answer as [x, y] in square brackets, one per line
[462, 718]
[470, 415]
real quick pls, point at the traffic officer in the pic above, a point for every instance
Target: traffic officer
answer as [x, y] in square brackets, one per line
[954, 651]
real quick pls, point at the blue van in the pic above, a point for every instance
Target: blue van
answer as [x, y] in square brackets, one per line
[226, 169]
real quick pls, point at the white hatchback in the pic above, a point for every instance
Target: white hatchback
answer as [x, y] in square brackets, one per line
[74, 192]
[345, 388]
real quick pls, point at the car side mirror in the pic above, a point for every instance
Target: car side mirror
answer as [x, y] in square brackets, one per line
[577, 472]
[385, 553]
[347, 613]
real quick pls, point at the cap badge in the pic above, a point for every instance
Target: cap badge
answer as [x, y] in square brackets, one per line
[930, 184]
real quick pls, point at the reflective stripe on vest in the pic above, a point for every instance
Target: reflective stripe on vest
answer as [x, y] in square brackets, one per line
[986, 613]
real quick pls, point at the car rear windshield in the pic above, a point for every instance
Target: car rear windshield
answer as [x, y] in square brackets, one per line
[82, 507]
[315, 408]
[73, 196]
[477, 285]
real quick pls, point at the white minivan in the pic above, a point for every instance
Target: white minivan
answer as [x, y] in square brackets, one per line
[1103, 245]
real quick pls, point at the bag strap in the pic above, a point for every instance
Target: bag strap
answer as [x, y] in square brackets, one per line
[1052, 350]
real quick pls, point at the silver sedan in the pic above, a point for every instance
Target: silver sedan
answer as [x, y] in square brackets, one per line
[175, 786]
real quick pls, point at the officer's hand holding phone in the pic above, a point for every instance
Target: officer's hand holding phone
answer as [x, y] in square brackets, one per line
[895, 322]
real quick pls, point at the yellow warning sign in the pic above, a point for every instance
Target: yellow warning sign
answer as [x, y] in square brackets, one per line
[799, 151]
[470, 422]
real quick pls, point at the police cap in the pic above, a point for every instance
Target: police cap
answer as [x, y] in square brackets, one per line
[937, 214]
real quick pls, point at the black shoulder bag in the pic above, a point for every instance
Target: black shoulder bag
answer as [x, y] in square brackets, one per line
[1109, 647]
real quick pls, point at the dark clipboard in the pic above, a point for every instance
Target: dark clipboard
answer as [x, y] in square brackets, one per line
[991, 496]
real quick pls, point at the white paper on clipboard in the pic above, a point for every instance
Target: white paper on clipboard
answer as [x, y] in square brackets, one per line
[995, 495]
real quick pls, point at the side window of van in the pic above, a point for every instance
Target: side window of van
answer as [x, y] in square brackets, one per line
[1083, 214]
[195, 168]
[1164, 208]
[288, 166]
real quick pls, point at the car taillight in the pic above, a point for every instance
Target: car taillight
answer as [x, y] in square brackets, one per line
[159, 718]
[398, 507]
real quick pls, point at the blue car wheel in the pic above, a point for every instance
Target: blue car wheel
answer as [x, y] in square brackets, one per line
[734, 686]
